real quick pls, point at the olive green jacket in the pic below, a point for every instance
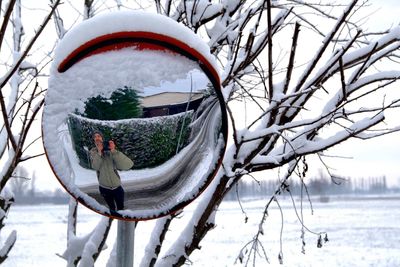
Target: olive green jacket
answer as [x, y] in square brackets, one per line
[107, 165]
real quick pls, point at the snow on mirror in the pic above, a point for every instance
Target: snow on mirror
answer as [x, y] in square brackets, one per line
[134, 124]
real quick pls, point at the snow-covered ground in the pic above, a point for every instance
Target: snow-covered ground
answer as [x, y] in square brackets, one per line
[361, 232]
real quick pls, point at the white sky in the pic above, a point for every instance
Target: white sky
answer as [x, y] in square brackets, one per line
[377, 157]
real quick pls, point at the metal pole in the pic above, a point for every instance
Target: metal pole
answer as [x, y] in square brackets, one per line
[125, 243]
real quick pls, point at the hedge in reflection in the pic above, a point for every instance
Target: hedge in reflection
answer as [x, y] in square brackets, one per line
[148, 142]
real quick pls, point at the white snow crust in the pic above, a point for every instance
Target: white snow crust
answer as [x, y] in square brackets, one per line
[119, 21]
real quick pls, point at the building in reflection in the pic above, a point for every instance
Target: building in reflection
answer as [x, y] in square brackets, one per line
[170, 103]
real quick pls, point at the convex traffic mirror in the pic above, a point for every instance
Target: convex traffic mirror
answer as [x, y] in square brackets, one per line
[134, 123]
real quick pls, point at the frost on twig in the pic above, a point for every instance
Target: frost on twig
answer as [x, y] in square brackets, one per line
[84, 250]
[5, 204]
[157, 238]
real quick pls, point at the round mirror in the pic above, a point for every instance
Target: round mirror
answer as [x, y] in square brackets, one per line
[134, 123]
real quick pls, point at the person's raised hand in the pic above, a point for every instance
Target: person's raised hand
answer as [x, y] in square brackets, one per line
[111, 144]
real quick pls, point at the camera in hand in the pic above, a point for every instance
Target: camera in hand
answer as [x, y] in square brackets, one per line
[106, 146]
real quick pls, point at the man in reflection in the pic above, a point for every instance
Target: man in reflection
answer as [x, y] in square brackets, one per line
[106, 160]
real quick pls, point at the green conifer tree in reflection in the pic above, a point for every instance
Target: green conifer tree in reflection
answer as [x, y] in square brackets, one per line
[124, 103]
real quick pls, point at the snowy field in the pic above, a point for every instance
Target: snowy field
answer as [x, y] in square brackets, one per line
[361, 232]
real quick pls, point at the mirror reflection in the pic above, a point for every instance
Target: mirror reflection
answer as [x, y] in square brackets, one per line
[140, 131]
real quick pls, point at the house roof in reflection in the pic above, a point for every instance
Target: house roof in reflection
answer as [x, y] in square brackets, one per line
[169, 98]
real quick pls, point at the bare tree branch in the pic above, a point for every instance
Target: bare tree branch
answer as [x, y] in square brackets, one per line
[292, 56]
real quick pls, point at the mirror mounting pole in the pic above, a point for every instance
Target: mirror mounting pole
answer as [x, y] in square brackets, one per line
[125, 243]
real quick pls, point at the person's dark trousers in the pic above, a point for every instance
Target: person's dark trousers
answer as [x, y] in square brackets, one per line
[113, 197]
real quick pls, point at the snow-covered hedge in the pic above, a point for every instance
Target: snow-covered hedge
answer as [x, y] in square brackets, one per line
[147, 141]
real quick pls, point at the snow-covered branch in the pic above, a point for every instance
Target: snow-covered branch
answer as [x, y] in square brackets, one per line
[6, 200]
[304, 144]
[58, 22]
[88, 11]
[157, 238]
[241, 58]
[7, 246]
[201, 222]
[84, 250]
[20, 97]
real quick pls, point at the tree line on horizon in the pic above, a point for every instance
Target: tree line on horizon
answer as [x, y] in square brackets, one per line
[315, 186]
